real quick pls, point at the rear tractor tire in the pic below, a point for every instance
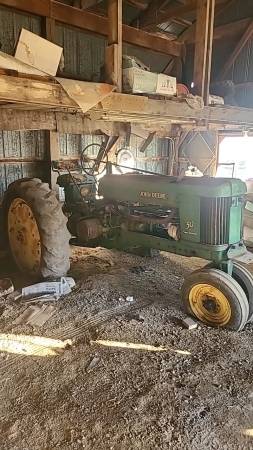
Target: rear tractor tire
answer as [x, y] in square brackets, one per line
[36, 229]
[216, 299]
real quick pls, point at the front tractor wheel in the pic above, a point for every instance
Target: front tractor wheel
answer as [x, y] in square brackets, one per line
[216, 299]
[36, 229]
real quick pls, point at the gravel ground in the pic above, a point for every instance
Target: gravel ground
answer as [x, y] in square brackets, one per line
[174, 389]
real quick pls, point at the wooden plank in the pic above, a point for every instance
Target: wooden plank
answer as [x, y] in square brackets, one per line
[15, 120]
[21, 160]
[53, 155]
[203, 48]
[52, 139]
[146, 143]
[94, 24]
[39, 7]
[99, 26]
[11, 63]
[230, 30]
[38, 52]
[63, 122]
[22, 90]
[113, 53]
[247, 35]
[86, 4]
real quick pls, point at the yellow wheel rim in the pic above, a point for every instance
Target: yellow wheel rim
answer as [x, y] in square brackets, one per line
[24, 237]
[210, 305]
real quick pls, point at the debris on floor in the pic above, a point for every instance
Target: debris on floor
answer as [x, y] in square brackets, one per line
[189, 323]
[93, 363]
[53, 288]
[138, 270]
[41, 298]
[14, 296]
[6, 287]
[35, 315]
[139, 396]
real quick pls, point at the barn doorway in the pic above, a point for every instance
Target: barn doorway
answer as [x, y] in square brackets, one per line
[235, 157]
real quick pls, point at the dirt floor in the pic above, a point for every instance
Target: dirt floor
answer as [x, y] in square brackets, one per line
[173, 389]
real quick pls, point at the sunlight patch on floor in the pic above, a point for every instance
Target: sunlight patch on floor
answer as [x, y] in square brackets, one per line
[31, 345]
[131, 345]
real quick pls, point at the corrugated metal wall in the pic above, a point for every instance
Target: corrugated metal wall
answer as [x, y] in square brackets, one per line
[23, 144]
[84, 55]
[242, 69]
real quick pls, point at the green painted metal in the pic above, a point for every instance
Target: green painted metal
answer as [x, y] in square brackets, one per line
[207, 214]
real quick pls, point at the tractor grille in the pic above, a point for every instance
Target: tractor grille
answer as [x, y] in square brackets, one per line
[214, 220]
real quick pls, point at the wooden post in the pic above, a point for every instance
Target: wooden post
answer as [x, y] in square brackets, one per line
[113, 53]
[51, 136]
[203, 48]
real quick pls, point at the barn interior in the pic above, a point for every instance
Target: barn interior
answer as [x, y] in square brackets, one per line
[126, 218]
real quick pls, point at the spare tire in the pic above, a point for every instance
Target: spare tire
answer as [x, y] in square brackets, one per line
[36, 229]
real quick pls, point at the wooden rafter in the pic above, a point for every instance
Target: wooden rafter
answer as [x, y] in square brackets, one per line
[86, 4]
[151, 11]
[247, 35]
[162, 17]
[189, 34]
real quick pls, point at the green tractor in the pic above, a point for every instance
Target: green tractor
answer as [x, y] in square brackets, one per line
[193, 217]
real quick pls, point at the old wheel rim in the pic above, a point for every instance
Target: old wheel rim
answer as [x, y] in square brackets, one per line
[210, 305]
[24, 237]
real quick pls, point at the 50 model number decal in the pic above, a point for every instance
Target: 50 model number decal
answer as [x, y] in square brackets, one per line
[189, 224]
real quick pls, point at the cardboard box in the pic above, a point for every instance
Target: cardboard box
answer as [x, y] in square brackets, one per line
[215, 100]
[139, 81]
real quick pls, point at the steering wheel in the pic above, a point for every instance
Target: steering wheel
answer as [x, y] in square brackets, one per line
[93, 165]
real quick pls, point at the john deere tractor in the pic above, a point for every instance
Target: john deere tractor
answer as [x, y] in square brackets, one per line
[193, 217]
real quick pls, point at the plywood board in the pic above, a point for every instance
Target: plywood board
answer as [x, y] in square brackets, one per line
[85, 94]
[11, 63]
[38, 52]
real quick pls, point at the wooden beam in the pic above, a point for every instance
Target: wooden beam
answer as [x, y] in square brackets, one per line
[99, 26]
[91, 23]
[21, 160]
[146, 142]
[39, 7]
[86, 4]
[203, 48]
[189, 34]
[151, 11]
[51, 136]
[229, 33]
[172, 13]
[247, 35]
[136, 4]
[113, 52]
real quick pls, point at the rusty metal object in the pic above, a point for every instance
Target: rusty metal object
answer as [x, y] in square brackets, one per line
[24, 237]
[89, 229]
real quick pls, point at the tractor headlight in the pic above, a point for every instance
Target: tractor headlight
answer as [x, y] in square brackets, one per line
[84, 191]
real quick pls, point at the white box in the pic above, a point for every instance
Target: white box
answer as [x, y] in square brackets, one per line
[166, 85]
[138, 81]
